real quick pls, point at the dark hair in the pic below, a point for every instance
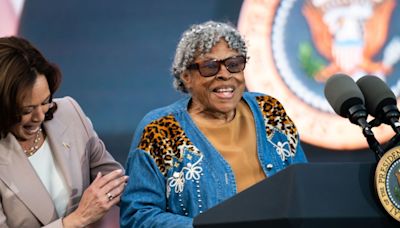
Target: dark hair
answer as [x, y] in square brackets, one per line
[20, 65]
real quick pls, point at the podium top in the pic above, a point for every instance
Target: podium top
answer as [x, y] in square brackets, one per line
[305, 194]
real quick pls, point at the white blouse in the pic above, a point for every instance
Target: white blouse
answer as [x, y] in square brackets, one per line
[45, 167]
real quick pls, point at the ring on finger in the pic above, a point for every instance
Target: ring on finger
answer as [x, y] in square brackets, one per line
[109, 196]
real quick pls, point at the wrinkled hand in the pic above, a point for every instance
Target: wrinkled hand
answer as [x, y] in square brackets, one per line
[104, 192]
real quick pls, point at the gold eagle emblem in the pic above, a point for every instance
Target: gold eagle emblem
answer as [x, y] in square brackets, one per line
[349, 33]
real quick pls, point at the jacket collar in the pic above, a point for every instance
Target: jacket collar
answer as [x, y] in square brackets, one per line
[61, 145]
[18, 174]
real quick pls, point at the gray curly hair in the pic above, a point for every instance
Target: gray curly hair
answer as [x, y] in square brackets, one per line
[198, 40]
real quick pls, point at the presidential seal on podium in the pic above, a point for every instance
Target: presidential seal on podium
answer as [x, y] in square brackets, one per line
[387, 181]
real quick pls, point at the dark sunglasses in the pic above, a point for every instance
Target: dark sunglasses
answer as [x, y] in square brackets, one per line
[234, 64]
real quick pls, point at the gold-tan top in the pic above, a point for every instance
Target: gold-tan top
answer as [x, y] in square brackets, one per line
[236, 142]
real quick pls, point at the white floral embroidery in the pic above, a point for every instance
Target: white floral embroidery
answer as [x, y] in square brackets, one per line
[193, 171]
[282, 151]
[189, 172]
[177, 181]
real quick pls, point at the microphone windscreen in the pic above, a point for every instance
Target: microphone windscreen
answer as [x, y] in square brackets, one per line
[376, 93]
[342, 93]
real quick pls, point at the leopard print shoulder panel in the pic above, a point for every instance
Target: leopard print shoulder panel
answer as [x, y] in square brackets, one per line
[164, 139]
[275, 118]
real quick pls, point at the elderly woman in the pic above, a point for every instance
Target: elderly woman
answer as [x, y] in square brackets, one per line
[55, 171]
[210, 145]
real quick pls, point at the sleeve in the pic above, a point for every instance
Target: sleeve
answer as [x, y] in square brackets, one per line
[100, 158]
[56, 224]
[143, 203]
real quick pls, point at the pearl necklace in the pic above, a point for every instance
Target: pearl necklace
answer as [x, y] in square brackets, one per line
[32, 150]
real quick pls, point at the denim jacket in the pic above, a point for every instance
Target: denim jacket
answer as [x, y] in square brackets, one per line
[175, 172]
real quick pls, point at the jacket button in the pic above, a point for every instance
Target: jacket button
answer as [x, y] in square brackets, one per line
[270, 166]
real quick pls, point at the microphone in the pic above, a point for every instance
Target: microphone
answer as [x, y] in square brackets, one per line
[346, 99]
[381, 102]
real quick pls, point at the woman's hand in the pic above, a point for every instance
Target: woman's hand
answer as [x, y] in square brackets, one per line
[98, 198]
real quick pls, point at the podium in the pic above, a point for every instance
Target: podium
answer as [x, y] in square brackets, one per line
[305, 195]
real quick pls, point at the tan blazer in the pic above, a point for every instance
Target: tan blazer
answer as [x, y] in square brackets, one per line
[77, 151]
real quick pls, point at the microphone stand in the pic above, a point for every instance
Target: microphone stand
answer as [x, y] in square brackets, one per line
[358, 115]
[392, 142]
[396, 138]
[395, 126]
[372, 142]
[390, 115]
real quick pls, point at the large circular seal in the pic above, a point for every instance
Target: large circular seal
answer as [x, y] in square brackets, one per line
[287, 62]
[387, 182]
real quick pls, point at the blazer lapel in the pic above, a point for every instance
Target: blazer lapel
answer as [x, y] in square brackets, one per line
[19, 175]
[61, 146]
